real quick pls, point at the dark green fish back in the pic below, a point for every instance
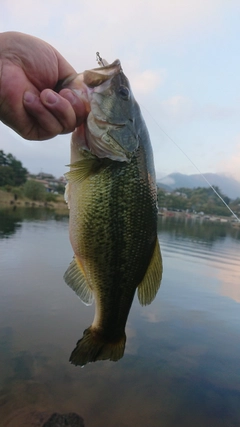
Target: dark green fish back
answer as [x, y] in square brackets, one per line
[119, 236]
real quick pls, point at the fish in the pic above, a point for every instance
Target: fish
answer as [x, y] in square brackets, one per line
[112, 197]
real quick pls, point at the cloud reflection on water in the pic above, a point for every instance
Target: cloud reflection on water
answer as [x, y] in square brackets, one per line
[181, 365]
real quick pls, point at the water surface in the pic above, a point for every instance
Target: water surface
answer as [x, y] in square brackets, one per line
[182, 360]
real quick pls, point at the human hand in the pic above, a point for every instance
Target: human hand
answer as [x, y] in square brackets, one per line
[29, 71]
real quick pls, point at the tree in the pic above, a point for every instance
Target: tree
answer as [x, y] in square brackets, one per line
[12, 171]
[34, 190]
[197, 199]
[60, 188]
[6, 176]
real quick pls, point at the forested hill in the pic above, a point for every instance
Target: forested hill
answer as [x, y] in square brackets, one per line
[197, 200]
[228, 185]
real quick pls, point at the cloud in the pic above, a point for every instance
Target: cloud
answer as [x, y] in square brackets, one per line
[144, 18]
[231, 162]
[167, 180]
[178, 107]
[26, 13]
[181, 109]
[146, 81]
[148, 37]
[135, 25]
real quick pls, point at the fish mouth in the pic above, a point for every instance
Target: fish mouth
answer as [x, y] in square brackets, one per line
[82, 84]
[97, 76]
[103, 135]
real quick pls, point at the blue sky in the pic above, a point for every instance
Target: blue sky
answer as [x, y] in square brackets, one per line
[182, 58]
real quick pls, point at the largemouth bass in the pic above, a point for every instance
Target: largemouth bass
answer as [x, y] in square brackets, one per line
[112, 199]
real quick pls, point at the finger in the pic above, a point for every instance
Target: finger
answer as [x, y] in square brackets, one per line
[61, 108]
[55, 117]
[80, 105]
[42, 123]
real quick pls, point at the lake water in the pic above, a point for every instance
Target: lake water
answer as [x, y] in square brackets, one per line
[182, 360]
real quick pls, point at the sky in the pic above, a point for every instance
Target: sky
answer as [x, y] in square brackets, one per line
[182, 58]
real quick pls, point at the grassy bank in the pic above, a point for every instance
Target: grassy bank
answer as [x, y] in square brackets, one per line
[9, 199]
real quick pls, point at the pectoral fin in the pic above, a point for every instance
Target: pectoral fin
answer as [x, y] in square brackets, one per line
[150, 284]
[82, 169]
[74, 277]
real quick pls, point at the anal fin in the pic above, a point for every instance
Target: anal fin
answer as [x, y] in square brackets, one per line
[147, 289]
[74, 277]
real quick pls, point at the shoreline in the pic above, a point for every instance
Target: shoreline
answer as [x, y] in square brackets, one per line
[201, 217]
[7, 200]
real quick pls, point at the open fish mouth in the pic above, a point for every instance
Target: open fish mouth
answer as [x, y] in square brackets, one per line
[109, 130]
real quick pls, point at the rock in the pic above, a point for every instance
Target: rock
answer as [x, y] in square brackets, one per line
[65, 420]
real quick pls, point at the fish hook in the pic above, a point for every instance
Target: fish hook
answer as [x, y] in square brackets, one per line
[99, 59]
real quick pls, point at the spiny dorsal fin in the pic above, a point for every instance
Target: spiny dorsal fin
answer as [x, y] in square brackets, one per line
[150, 284]
[74, 278]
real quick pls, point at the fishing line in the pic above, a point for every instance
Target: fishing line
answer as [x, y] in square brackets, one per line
[194, 165]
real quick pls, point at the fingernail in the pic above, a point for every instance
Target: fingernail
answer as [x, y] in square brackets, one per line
[51, 98]
[70, 97]
[29, 97]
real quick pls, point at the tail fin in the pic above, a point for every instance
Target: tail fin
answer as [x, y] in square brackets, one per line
[94, 347]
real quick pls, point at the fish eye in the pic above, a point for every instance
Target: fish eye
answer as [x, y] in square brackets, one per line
[124, 92]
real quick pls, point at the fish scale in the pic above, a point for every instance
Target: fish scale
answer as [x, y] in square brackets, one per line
[113, 214]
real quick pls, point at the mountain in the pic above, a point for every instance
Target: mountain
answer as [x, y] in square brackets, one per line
[229, 186]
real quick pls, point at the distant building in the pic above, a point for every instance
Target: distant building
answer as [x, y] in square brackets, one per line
[43, 175]
[48, 180]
